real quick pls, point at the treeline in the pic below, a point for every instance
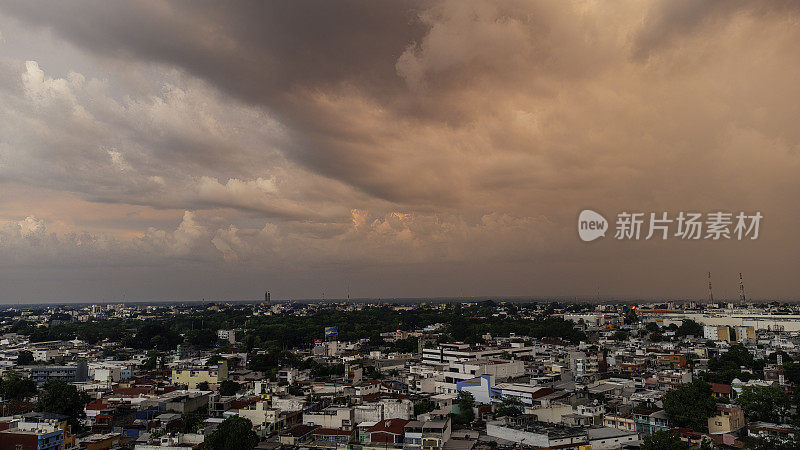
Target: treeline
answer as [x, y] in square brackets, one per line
[290, 330]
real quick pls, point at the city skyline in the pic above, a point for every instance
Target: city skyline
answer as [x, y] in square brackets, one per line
[179, 151]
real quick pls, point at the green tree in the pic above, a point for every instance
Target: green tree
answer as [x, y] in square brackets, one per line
[465, 402]
[63, 398]
[193, 420]
[510, 406]
[152, 361]
[24, 358]
[690, 405]
[229, 387]
[423, 406]
[764, 403]
[664, 440]
[631, 317]
[689, 328]
[203, 386]
[235, 433]
[12, 386]
[621, 335]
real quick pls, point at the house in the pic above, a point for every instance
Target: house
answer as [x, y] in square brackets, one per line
[649, 421]
[619, 421]
[264, 419]
[296, 435]
[773, 430]
[332, 435]
[388, 431]
[42, 437]
[610, 438]
[524, 430]
[332, 417]
[192, 376]
[729, 419]
[722, 391]
[430, 435]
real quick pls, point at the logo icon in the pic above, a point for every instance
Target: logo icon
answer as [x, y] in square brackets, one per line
[591, 225]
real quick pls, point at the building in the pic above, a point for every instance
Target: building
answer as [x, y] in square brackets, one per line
[332, 417]
[38, 437]
[610, 438]
[522, 430]
[729, 419]
[722, 391]
[33, 421]
[333, 436]
[296, 435]
[649, 421]
[459, 351]
[389, 431]
[227, 335]
[264, 418]
[69, 374]
[429, 435]
[192, 376]
[623, 422]
[717, 333]
[745, 334]
[553, 413]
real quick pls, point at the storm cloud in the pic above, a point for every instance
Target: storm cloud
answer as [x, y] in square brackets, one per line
[206, 149]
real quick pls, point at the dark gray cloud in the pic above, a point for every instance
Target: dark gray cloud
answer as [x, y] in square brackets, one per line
[399, 140]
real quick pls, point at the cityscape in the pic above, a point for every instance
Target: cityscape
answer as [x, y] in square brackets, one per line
[446, 374]
[399, 224]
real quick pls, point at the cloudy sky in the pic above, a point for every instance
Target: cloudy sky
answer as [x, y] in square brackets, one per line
[184, 150]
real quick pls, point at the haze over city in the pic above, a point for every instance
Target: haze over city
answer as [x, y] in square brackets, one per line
[187, 150]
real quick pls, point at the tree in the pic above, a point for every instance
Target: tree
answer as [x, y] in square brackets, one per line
[423, 406]
[630, 317]
[203, 386]
[14, 387]
[510, 406]
[193, 420]
[689, 327]
[792, 371]
[24, 358]
[235, 433]
[774, 443]
[690, 405]
[295, 390]
[152, 361]
[764, 403]
[229, 387]
[63, 398]
[621, 335]
[465, 402]
[663, 440]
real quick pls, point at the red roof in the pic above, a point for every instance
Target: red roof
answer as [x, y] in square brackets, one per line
[97, 405]
[721, 388]
[393, 426]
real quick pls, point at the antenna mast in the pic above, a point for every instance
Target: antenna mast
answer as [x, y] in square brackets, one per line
[710, 292]
[741, 289]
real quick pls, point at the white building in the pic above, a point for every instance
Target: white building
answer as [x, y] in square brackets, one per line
[332, 417]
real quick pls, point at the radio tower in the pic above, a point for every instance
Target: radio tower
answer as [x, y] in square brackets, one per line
[741, 289]
[710, 292]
